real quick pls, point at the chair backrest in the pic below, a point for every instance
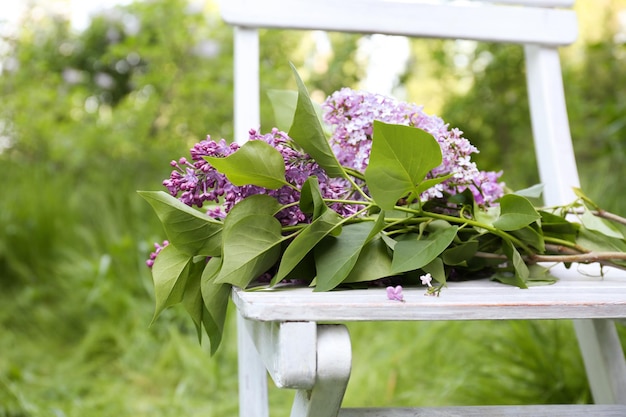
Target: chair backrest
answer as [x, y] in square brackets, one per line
[540, 25]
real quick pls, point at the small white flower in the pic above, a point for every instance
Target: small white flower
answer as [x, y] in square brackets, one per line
[426, 279]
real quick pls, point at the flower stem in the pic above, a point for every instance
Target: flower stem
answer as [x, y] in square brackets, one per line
[609, 216]
[470, 222]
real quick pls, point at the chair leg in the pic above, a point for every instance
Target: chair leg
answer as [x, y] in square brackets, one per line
[604, 360]
[252, 375]
[334, 363]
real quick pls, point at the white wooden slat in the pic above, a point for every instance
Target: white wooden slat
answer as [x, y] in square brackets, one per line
[395, 17]
[471, 300]
[492, 411]
[550, 125]
[540, 3]
[247, 92]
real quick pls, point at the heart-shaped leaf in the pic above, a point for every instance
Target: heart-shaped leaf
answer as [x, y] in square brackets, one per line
[192, 232]
[252, 239]
[256, 163]
[401, 157]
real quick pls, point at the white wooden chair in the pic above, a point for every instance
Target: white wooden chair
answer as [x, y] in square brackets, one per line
[279, 331]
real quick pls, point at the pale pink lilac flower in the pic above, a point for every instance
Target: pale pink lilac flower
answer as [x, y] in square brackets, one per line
[351, 115]
[395, 293]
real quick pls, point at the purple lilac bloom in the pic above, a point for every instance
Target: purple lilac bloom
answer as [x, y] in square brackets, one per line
[351, 114]
[395, 293]
[197, 182]
[157, 248]
[298, 168]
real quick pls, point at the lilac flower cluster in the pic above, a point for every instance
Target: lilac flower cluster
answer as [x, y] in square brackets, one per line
[196, 182]
[351, 115]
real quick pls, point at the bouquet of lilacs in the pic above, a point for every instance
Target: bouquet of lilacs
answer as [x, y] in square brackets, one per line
[378, 193]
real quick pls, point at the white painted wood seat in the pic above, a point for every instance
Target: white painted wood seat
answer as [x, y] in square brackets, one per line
[280, 329]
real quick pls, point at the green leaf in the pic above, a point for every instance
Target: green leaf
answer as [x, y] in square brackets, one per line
[515, 212]
[215, 297]
[308, 238]
[308, 133]
[509, 278]
[539, 275]
[374, 262]
[532, 236]
[599, 242]
[426, 184]
[192, 297]
[460, 255]
[252, 239]
[600, 225]
[521, 274]
[304, 271]
[558, 227]
[170, 273]
[192, 232]
[311, 201]
[284, 104]
[414, 254]
[534, 191]
[589, 202]
[486, 215]
[256, 163]
[336, 256]
[401, 157]
[436, 269]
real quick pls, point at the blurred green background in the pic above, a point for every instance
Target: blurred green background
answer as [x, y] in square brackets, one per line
[87, 117]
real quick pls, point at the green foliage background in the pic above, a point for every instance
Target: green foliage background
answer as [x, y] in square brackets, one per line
[87, 118]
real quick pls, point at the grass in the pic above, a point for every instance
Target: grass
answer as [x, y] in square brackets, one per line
[119, 366]
[77, 304]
